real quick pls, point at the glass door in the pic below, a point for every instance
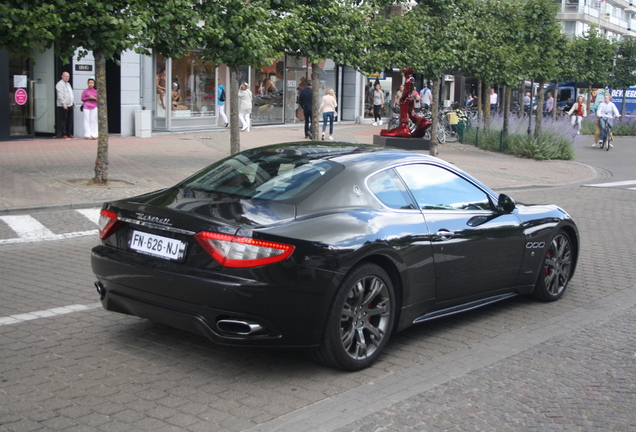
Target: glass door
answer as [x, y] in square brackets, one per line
[20, 97]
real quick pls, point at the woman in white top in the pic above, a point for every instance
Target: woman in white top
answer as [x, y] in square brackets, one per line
[328, 108]
[245, 106]
[606, 112]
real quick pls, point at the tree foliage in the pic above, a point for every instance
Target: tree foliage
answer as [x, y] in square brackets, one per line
[239, 33]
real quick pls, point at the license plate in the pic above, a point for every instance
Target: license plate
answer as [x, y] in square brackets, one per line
[162, 247]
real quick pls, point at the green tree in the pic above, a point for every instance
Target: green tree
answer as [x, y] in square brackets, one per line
[592, 59]
[28, 25]
[541, 32]
[240, 33]
[105, 28]
[496, 50]
[428, 37]
[326, 29]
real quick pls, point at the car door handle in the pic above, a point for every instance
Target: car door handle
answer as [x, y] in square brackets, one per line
[444, 234]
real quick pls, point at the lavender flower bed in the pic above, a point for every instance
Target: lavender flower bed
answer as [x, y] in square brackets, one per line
[625, 126]
[555, 142]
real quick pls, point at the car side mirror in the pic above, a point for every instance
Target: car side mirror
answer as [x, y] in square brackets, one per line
[505, 204]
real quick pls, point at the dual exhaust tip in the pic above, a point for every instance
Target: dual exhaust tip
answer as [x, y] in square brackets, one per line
[238, 327]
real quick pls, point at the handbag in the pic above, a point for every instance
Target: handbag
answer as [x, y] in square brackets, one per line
[82, 107]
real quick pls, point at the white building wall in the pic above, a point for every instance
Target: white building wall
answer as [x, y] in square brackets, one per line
[130, 90]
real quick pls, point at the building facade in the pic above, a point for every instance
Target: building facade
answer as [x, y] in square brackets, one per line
[614, 18]
[177, 94]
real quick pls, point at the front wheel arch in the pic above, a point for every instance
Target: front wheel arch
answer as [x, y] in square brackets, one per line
[557, 268]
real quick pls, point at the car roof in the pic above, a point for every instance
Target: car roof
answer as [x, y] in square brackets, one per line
[352, 153]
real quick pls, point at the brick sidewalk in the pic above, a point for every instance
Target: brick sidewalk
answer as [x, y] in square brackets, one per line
[48, 172]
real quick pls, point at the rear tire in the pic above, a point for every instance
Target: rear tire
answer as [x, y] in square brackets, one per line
[557, 269]
[360, 321]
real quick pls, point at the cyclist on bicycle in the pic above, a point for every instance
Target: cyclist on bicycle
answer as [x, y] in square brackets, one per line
[606, 113]
[579, 109]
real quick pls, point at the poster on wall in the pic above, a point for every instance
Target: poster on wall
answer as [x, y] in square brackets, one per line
[19, 81]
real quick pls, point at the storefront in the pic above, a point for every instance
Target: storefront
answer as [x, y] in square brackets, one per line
[178, 94]
[187, 93]
[30, 85]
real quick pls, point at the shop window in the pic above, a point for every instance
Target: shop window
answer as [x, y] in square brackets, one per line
[192, 87]
[268, 93]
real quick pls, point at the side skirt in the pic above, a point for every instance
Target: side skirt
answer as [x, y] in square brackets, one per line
[462, 308]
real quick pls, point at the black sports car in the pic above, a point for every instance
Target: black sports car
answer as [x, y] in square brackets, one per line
[328, 247]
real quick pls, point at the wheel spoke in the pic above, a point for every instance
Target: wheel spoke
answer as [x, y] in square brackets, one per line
[376, 288]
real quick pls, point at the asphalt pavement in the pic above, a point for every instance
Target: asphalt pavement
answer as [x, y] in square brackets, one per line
[568, 365]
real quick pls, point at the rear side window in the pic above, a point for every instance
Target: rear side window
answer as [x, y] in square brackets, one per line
[390, 190]
[270, 176]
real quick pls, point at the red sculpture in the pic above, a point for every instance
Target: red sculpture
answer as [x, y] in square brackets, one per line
[407, 105]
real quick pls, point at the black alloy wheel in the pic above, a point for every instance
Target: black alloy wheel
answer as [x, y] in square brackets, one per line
[557, 269]
[360, 321]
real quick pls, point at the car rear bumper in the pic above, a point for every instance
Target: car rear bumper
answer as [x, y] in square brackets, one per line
[227, 309]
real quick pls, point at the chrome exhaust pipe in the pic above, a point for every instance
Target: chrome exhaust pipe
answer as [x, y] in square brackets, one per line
[101, 290]
[238, 327]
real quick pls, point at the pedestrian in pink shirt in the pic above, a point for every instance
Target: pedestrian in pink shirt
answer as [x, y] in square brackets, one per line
[89, 97]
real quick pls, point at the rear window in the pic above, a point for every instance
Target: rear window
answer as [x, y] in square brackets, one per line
[274, 176]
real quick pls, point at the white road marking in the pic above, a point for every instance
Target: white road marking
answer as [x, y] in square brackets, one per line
[614, 184]
[27, 227]
[30, 229]
[90, 214]
[30, 316]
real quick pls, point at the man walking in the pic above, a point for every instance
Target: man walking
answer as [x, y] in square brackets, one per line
[305, 102]
[65, 102]
[425, 95]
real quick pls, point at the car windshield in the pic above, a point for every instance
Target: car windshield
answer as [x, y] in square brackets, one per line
[276, 175]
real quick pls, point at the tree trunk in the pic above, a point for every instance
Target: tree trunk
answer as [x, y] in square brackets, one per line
[486, 103]
[235, 139]
[315, 102]
[480, 99]
[540, 98]
[556, 101]
[101, 162]
[506, 113]
[623, 104]
[433, 149]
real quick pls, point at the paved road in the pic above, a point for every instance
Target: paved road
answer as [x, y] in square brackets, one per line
[67, 364]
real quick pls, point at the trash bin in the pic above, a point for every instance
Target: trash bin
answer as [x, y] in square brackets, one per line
[143, 123]
[461, 128]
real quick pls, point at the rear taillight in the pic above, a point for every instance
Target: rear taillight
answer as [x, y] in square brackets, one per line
[242, 252]
[107, 223]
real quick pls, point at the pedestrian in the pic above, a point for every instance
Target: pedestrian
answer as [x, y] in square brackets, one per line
[220, 88]
[579, 109]
[378, 104]
[469, 100]
[396, 101]
[245, 106]
[328, 108]
[417, 100]
[305, 100]
[493, 100]
[568, 106]
[65, 102]
[426, 96]
[89, 108]
[549, 105]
